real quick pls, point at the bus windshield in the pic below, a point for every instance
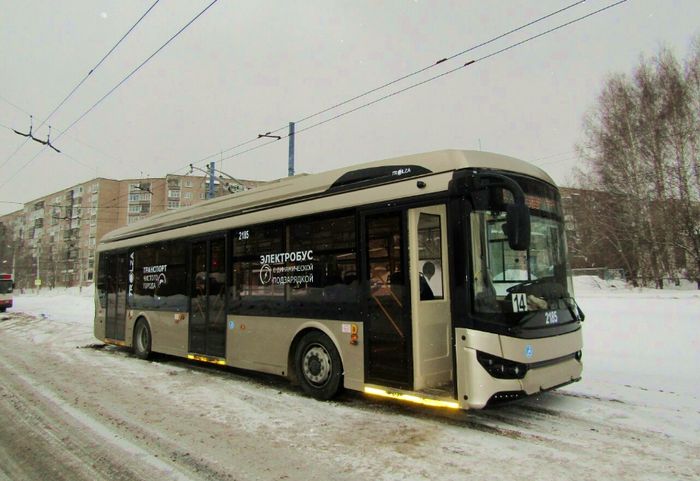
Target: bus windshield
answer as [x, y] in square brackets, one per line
[513, 282]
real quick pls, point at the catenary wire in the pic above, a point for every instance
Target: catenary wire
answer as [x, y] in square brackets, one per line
[399, 79]
[14, 105]
[443, 74]
[82, 81]
[92, 70]
[111, 91]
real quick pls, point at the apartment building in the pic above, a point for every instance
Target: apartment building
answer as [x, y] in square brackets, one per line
[52, 240]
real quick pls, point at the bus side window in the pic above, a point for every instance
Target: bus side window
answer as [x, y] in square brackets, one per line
[430, 257]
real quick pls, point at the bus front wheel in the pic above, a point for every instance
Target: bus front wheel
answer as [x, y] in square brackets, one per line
[318, 366]
[142, 339]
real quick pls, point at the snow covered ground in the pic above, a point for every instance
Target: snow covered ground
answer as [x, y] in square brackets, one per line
[635, 415]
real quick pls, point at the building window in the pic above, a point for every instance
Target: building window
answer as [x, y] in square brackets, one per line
[145, 197]
[188, 183]
[188, 195]
[174, 194]
[135, 209]
[202, 196]
[173, 204]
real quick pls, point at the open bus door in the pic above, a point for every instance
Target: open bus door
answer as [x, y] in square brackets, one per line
[430, 300]
[386, 300]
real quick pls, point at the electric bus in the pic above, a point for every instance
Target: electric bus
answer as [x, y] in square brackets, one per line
[439, 278]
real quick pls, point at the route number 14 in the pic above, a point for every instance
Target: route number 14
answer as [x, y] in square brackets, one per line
[519, 302]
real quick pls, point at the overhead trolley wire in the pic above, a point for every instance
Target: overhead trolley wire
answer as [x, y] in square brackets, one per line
[113, 89]
[392, 82]
[92, 70]
[14, 105]
[448, 72]
[70, 94]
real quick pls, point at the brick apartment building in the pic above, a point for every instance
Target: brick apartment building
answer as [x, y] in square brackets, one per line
[52, 240]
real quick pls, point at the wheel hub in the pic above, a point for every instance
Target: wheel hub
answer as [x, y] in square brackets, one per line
[317, 365]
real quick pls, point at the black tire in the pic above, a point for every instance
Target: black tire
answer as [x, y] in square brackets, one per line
[318, 366]
[142, 339]
[2, 309]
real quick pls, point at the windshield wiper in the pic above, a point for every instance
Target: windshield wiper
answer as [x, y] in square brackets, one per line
[544, 287]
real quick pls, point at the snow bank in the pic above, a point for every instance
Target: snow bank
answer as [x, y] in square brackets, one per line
[642, 347]
[71, 305]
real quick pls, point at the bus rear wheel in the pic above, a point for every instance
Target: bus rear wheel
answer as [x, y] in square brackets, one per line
[318, 366]
[142, 339]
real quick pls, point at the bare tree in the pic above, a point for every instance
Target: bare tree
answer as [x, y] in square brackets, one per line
[641, 143]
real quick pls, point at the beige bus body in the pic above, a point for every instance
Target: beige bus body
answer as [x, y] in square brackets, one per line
[267, 344]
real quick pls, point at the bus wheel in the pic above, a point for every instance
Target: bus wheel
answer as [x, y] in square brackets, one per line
[142, 339]
[318, 366]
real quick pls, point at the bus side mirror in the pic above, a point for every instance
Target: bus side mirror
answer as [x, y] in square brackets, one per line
[517, 226]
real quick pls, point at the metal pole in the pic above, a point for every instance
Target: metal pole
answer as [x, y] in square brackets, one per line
[210, 192]
[38, 271]
[290, 170]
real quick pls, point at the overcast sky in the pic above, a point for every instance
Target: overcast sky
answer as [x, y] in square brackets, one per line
[248, 67]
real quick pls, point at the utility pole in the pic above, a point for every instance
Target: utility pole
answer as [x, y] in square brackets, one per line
[290, 169]
[37, 279]
[210, 191]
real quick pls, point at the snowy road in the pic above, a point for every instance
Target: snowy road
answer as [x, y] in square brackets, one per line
[70, 409]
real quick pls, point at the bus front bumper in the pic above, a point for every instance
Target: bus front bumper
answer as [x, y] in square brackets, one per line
[554, 362]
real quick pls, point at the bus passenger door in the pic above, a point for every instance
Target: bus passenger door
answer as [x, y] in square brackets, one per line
[117, 277]
[386, 300]
[430, 299]
[208, 298]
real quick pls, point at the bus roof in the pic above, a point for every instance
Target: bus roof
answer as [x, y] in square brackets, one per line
[303, 186]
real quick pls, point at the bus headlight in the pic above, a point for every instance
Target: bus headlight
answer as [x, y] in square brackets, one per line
[501, 368]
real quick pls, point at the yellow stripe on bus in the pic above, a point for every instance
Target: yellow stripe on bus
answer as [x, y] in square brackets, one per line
[220, 362]
[412, 398]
